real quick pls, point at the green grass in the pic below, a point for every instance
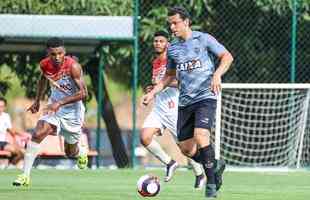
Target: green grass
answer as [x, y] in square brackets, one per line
[121, 185]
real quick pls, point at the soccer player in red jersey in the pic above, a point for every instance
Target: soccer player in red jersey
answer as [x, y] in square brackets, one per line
[64, 113]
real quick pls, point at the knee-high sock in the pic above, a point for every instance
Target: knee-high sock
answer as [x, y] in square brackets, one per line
[83, 150]
[155, 149]
[197, 168]
[30, 155]
[207, 156]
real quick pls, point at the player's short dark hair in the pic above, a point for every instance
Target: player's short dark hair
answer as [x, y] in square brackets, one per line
[184, 14]
[54, 42]
[161, 33]
[3, 99]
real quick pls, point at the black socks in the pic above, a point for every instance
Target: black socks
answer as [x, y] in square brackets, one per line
[207, 159]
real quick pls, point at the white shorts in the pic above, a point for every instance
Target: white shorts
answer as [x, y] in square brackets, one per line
[161, 121]
[71, 131]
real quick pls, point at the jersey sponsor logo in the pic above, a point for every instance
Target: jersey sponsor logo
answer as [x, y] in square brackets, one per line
[189, 65]
[63, 84]
[66, 86]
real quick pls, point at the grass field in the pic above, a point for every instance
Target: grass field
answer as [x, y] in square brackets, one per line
[121, 185]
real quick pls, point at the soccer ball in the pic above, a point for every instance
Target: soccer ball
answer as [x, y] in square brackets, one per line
[148, 186]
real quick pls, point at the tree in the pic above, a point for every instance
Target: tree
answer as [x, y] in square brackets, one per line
[26, 65]
[257, 32]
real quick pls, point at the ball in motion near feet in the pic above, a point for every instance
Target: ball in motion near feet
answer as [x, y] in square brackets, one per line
[148, 185]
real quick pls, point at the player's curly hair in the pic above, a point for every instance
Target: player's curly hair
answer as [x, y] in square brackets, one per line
[161, 33]
[54, 42]
[184, 14]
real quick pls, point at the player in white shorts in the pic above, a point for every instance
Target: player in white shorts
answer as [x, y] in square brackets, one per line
[164, 113]
[64, 113]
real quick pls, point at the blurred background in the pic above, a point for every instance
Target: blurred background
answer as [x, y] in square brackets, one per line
[269, 40]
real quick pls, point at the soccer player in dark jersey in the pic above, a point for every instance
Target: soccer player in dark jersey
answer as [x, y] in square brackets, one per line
[164, 113]
[190, 59]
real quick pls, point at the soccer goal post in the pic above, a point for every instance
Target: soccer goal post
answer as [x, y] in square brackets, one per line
[263, 125]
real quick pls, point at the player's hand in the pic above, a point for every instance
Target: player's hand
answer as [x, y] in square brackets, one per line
[146, 99]
[216, 83]
[148, 88]
[52, 108]
[34, 107]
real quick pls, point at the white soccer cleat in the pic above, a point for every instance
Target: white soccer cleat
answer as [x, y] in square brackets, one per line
[170, 169]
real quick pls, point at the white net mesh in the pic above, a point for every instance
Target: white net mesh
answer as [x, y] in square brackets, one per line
[264, 127]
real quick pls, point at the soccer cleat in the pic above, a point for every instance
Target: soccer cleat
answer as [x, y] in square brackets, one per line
[219, 170]
[22, 180]
[170, 169]
[200, 181]
[210, 191]
[82, 159]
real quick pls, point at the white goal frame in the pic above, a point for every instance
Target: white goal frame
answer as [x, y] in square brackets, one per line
[259, 86]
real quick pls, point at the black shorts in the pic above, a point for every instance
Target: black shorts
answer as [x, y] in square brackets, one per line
[3, 144]
[197, 115]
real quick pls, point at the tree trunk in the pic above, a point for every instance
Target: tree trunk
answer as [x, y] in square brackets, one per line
[107, 113]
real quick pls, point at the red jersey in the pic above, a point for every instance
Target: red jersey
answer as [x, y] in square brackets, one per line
[159, 68]
[49, 70]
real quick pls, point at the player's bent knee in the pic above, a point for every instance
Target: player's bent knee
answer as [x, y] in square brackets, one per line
[71, 153]
[10, 148]
[41, 134]
[71, 150]
[146, 137]
[38, 137]
[188, 151]
[145, 141]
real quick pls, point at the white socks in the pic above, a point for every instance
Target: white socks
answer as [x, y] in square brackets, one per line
[32, 151]
[155, 148]
[82, 150]
[197, 168]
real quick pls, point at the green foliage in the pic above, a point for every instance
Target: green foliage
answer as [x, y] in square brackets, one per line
[257, 32]
[10, 82]
[26, 66]
[4, 85]
[67, 7]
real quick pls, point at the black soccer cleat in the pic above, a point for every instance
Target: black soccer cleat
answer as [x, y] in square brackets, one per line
[219, 170]
[170, 169]
[211, 191]
[200, 180]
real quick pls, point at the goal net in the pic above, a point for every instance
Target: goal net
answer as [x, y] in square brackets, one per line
[264, 125]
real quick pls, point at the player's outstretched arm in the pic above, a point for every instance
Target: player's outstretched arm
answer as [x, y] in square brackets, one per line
[40, 89]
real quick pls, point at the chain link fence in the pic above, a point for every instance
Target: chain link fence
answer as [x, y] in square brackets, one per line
[259, 35]
[268, 39]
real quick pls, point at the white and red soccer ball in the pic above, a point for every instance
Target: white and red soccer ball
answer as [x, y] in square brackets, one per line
[148, 186]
